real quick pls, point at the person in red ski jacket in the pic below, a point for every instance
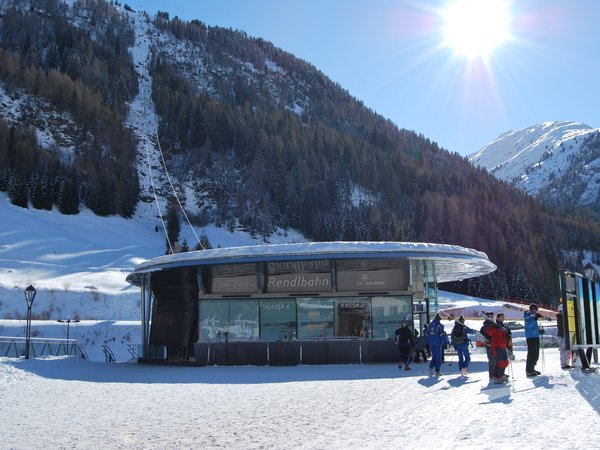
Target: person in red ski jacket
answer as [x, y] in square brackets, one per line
[498, 334]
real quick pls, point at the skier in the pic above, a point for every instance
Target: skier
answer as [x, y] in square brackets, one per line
[499, 341]
[406, 342]
[419, 350]
[436, 337]
[427, 349]
[565, 355]
[460, 341]
[488, 322]
[532, 333]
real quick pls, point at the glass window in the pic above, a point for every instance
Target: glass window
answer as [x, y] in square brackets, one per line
[214, 319]
[353, 316]
[237, 318]
[278, 319]
[315, 317]
[243, 319]
[389, 313]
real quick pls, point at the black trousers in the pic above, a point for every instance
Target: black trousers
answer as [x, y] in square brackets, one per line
[405, 351]
[533, 353]
[418, 353]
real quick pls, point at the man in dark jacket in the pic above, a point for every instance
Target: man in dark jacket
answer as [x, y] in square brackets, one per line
[488, 322]
[460, 341]
[406, 342]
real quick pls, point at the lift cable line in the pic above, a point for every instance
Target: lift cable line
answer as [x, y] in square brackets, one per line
[162, 221]
[175, 193]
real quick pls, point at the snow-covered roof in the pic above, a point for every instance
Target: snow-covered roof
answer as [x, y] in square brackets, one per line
[452, 262]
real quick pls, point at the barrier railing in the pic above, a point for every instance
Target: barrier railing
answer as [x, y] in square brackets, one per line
[347, 350]
[13, 346]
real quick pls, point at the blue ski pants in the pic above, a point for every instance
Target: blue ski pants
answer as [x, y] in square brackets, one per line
[436, 357]
[464, 357]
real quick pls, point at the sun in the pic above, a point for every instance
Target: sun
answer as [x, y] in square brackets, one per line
[474, 28]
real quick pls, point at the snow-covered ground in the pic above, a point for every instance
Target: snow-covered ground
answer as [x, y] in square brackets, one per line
[79, 264]
[72, 403]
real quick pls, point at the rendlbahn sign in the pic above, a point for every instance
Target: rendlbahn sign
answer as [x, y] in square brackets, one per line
[347, 281]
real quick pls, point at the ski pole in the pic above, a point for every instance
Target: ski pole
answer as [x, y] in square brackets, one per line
[542, 346]
[409, 360]
[451, 357]
[512, 375]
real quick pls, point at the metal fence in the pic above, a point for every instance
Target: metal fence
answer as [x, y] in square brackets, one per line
[11, 346]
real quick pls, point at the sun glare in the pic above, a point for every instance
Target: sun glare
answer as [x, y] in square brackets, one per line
[474, 28]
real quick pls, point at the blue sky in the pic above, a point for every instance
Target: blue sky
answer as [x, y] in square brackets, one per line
[390, 55]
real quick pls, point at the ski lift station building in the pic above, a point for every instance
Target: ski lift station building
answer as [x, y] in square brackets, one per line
[288, 304]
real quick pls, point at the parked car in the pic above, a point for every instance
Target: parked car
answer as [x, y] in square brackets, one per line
[514, 325]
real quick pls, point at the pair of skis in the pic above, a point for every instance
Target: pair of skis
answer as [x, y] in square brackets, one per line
[544, 313]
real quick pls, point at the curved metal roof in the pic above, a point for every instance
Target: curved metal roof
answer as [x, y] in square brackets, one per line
[452, 262]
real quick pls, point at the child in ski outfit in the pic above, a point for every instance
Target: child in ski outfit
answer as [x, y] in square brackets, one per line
[436, 337]
[419, 350]
[499, 336]
[460, 341]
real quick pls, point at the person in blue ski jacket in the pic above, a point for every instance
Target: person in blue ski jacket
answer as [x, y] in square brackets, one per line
[460, 341]
[436, 337]
[532, 334]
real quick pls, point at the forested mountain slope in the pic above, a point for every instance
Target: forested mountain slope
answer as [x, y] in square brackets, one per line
[253, 137]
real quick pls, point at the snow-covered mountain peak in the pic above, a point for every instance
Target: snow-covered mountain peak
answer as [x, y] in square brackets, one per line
[530, 142]
[550, 159]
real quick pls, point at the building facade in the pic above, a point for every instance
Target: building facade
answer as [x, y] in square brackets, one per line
[311, 303]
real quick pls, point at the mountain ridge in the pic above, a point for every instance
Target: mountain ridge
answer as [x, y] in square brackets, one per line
[558, 162]
[255, 140]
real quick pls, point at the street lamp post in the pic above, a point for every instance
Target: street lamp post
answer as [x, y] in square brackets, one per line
[68, 322]
[29, 297]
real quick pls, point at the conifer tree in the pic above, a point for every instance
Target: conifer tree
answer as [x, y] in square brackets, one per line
[68, 193]
[17, 191]
[36, 191]
[185, 246]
